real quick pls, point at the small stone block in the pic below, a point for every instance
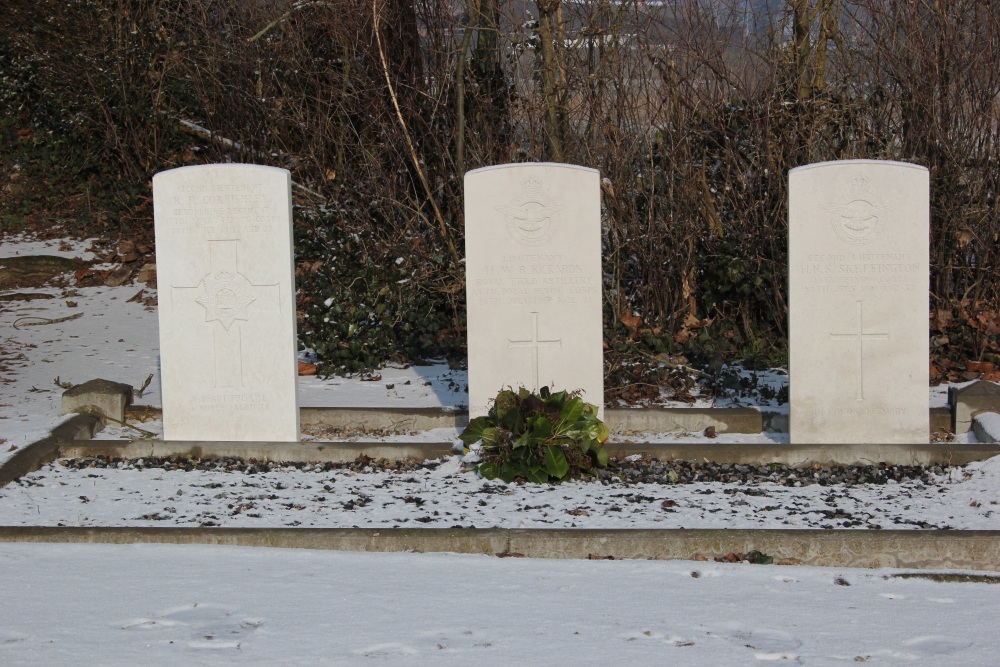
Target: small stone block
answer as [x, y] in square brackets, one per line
[102, 397]
[147, 275]
[968, 401]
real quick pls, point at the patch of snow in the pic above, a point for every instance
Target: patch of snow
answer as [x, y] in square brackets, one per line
[25, 245]
[220, 605]
[990, 423]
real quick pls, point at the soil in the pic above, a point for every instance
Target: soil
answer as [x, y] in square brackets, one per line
[37, 270]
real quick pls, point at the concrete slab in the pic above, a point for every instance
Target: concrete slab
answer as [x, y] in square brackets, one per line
[934, 550]
[307, 452]
[343, 452]
[690, 420]
[804, 456]
[395, 419]
[919, 550]
[618, 420]
[74, 439]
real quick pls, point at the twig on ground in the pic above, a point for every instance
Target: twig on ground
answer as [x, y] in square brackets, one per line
[659, 359]
[138, 392]
[44, 320]
[144, 432]
[63, 385]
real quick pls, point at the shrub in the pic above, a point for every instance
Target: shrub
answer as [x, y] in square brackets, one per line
[364, 301]
[543, 437]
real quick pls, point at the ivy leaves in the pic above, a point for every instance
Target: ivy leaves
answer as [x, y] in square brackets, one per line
[541, 437]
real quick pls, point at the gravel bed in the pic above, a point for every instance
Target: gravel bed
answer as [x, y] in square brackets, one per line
[445, 493]
[627, 472]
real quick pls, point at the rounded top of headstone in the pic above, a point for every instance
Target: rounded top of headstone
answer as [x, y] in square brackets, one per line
[230, 167]
[849, 163]
[976, 388]
[550, 165]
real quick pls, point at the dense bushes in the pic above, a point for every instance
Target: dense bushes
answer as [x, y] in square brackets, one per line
[694, 112]
[364, 303]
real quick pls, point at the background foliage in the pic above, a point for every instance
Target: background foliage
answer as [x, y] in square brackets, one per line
[693, 111]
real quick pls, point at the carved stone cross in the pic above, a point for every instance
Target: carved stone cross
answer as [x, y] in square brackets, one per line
[226, 296]
[534, 344]
[861, 337]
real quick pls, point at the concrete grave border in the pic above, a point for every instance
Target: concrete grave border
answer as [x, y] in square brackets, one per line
[914, 549]
[74, 438]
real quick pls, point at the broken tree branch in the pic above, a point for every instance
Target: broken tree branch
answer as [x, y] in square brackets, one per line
[205, 133]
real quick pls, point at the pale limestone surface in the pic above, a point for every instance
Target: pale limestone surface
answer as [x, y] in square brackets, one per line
[858, 284]
[533, 280]
[224, 260]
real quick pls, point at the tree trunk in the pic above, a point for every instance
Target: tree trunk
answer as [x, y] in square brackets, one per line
[554, 118]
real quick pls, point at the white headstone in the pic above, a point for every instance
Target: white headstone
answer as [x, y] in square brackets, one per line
[533, 281]
[224, 260]
[858, 257]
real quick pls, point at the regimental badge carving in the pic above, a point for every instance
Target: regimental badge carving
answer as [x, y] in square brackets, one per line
[863, 218]
[531, 217]
[225, 297]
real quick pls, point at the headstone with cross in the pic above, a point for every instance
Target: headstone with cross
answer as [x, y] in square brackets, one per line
[228, 366]
[533, 281]
[858, 284]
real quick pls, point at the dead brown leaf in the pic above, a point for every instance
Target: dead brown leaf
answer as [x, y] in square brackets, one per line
[788, 561]
[631, 320]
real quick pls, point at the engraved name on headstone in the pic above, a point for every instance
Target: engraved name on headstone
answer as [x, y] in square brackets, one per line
[533, 281]
[228, 362]
[858, 284]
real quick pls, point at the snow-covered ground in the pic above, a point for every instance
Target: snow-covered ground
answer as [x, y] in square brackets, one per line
[443, 495]
[210, 605]
[157, 604]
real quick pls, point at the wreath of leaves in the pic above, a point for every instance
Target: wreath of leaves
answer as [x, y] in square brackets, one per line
[543, 437]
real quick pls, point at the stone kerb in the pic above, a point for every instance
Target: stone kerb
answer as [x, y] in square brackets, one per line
[226, 303]
[858, 283]
[533, 280]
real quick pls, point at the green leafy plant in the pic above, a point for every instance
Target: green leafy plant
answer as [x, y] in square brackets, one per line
[543, 437]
